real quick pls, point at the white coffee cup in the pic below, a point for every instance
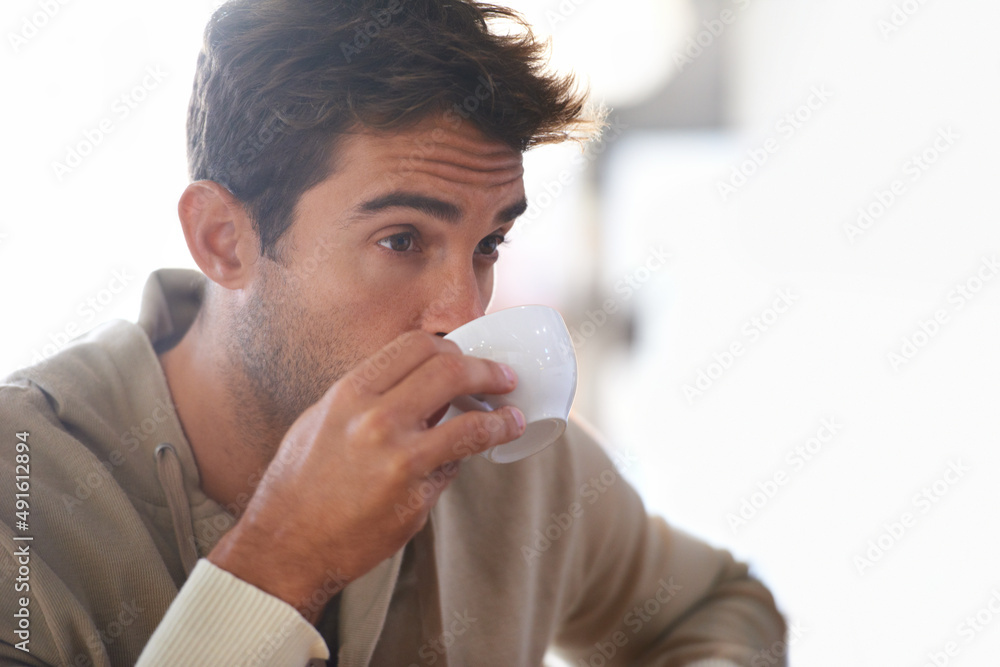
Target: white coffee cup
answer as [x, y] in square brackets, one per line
[534, 341]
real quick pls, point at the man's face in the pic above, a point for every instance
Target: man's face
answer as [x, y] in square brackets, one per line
[403, 235]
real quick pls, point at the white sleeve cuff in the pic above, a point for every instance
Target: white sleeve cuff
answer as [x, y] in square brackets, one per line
[219, 619]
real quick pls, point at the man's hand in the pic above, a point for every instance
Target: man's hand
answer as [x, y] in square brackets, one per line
[328, 500]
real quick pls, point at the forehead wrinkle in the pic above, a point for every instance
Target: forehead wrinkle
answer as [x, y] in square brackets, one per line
[477, 155]
[482, 168]
[461, 175]
[466, 161]
[478, 152]
[475, 159]
[403, 175]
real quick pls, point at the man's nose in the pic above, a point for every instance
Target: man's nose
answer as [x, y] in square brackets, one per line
[457, 301]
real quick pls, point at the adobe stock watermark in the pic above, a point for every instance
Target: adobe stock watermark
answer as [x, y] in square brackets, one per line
[635, 620]
[251, 148]
[970, 628]
[210, 529]
[777, 653]
[370, 369]
[902, 13]
[428, 141]
[123, 107]
[752, 331]
[434, 649]
[590, 491]
[308, 267]
[958, 298]
[89, 481]
[266, 646]
[626, 287]
[711, 29]
[88, 309]
[32, 24]
[98, 642]
[785, 130]
[913, 169]
[896, 529]
[373, 367]
[422, 493]
[752, 504]
[563, 12]
[369, 32]
[263, 651]
[555, 188]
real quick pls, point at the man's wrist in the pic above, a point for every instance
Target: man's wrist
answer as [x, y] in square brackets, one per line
[257, 564]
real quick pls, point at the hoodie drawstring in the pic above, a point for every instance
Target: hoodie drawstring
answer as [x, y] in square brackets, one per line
[168, 470]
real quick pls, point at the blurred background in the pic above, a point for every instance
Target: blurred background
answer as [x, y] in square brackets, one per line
[780, 266]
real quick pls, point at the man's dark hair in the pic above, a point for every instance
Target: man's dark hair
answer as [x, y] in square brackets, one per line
[279, 80]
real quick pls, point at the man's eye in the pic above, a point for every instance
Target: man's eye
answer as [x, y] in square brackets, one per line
[489, 245]
[398, 242]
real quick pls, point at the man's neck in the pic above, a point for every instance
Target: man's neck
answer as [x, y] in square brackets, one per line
[229, 465]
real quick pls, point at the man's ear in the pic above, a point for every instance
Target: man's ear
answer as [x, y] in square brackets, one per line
[219, 233]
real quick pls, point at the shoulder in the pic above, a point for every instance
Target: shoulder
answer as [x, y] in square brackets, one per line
[97, 407]
[92, 370]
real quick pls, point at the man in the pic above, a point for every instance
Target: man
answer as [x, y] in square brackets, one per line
[255, 474]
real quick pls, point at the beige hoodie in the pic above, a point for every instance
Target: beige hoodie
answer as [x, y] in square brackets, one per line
[552, 551]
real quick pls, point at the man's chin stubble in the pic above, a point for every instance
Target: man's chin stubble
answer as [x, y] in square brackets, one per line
[270, 378]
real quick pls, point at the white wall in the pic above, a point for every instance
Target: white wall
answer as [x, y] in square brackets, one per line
[903, 426]
[64, 235]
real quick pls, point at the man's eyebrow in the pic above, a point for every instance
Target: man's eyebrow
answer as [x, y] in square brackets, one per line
[429, 205]
[513, 212]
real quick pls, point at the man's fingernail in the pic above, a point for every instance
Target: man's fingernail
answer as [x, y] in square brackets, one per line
[509, 372]
[518, 417]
